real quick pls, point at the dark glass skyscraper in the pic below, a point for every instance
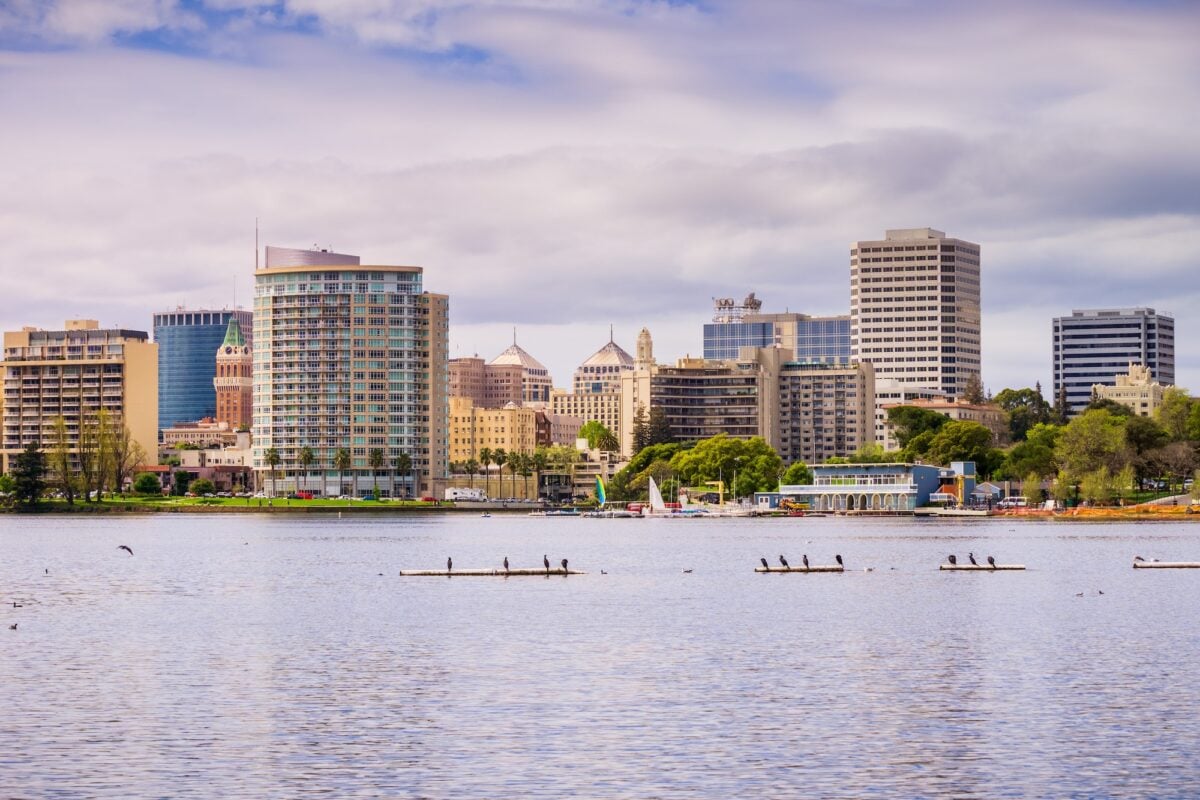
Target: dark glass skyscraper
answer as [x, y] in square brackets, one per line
[187, 361]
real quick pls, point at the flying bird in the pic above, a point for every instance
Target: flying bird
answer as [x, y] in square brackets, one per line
[839, 560]
[125, 547]
[506, 563]
[603, 572]
[765, 564]
[1099, 591]
[1079, 594]
[952, 559]
[991, 562]
[783, 561]
[546, 563]
[804, 558]
[687, 572]
[972, 557]
[564, 563]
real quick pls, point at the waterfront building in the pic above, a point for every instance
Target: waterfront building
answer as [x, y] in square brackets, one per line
[349, 356]
[75, 373]
[512, 428]
[487, 385]
[989, 415]
[186, 342]
[890, 392]
[823, 410]
[880, 488]
[1136, 389]
[234, 382]
[915, 308]
[1093, 346]
[814, 340]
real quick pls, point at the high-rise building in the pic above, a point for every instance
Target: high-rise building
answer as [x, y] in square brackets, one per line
[512, 428]
[76, 373]
[812, 340]
[824, 410]
[915, 308]
[186, 343]
[487, 385]
[1094, 346]
[601, 372]
[536, 382]
[349, 356]
[234, 383]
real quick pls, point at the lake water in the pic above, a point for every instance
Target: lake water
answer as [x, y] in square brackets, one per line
[281, 656]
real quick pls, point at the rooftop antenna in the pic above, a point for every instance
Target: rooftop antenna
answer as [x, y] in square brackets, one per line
[514, 335]
[256, 244]
[610, 333]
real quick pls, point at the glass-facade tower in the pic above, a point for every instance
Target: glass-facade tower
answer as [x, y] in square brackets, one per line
[813, 340]
[187, 363]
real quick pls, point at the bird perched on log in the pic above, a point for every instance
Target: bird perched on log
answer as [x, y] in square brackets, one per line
[125, 547]
[546, 563]
[972, 557]
[783, 561]
[952, 559]
[506, 563]
[564, 563]
[804, 558]
[991, 562]
[1138, 558]
[449, 564]
[764, 563]
[838, 558]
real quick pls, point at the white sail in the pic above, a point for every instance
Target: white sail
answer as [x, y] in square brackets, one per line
[657, 506]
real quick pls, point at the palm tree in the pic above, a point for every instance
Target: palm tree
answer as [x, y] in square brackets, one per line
[472, 467]
[375, 461]
[403, 464]
[485, 458]
[341, 462]
[271, 457]
[501, 458]
[526, 469]
[306, 460]
[540, 461]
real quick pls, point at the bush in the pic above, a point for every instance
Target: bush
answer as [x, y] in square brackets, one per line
[202, 487]
[147, 483]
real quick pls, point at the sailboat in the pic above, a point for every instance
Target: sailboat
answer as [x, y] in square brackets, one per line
[656, 507]
[601, 512]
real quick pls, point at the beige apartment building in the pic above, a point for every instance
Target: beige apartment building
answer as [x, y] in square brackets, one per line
[512, 428]
[349, 356]
[915, 308]
[74, 373]
[1136, 389]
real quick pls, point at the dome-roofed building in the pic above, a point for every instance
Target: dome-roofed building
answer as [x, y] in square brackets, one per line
[536, 382]
[602, 371]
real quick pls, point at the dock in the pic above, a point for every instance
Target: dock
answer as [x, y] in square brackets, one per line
[814, 568]
[1166, 565]
[489, 573]
[979, 567]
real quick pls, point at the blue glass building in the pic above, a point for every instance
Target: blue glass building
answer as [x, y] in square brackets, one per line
[812, 340]
[187, 361]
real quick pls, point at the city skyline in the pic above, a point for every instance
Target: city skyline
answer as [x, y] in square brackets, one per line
[573, 166]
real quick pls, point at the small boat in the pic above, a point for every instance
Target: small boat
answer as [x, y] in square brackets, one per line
[485, 515]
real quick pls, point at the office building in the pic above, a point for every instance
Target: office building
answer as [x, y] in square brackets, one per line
[186, 342]
[349, 356]
[234, 383]
[1093, 346]
[1136, 389]
[823, 410]
[915, 308]
[76, 373]
[512, 429]
[597, 388]
[487, 385]
[536, 382]
[812, 340]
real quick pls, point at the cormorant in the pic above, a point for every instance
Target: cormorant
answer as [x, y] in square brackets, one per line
[952, 559]
[564, 563]
[764, 563]
[839, 560]
[972, 557]
[1138, 558]
[449, 564]
[506, 563]
[12, 627]
[125, 547]
[546, 562]
[687, 572]
[804, 558]
[783, 561]
[991, 562]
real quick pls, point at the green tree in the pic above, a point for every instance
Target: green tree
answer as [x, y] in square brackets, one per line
[375, 461]
[403, 465]
[307, 457]
[1109, 405]
[962, 440]
[28, 476]
[798, 474]
[1196, 485]
[1094, 439]
[525, 469]
[8, 490]
[1175, 413]
[271, 459]
[342, 462]
[1062, 410]
[147, 483]
[59, 461]
[1063, 488]
[912, 421]
[1035, 454]
[641, 429]
[1032, 488]
[1124, 481]
[869, 453]
[593, 430]
[541, 460]
[203, 486]
[973, 392]
[1174, 461]
[500, 458]
[1025, 408]
[180, 481]
[1143, 436]
[485, 458]
[660, 427]
[1193, 429]
[753, 462]
[1097, 486]
[472, 468]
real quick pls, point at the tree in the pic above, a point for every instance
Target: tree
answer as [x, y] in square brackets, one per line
[1094, 439]
[798, 474]
[271, 459]
[500, 457]
[28, 475]
[93, 452]
[525, 468]
[1124, 481]
[1025, 408]
[403, 465]
[342, 462]
[869, 453]
[203, 486]
[1062, 409]
[541, 460]
[1063, 488]
[641, 429]
[1109, 405]
[1096, 486]
[911, 421]
[485, 458]
[1035, 454]
[1175, 413]
[751, 463]
[59, 461]
[127, 455]
[1032, 488]
[962, 440]
[1174, 461]
[307, 457]
[472, 468]
[375, 462]
[8, 489]
[973, 392]
[1196, 485]
[180, 481]
[599, 437]
[1143, 436]
[147, 483]
[660, 427]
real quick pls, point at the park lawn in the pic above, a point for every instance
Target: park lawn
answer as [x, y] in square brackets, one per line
[139, 503]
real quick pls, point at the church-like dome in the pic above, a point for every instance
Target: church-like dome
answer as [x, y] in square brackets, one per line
[515, 354]
[611, 355]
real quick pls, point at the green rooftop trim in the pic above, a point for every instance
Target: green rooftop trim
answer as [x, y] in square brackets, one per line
[233, 334]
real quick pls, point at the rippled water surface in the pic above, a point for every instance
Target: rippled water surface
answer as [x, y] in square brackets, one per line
[277, 656]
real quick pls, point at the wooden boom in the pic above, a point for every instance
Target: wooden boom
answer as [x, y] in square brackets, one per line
[814, 568]
[490, 573]
[1166, 565]
[980, 567]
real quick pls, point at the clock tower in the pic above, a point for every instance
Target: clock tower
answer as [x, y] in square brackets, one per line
[234, 381]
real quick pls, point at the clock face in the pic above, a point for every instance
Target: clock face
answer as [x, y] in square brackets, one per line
[228, 350]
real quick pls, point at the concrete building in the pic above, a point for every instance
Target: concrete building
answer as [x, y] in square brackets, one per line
[1093, 346]
[1136, 389]
[234, 383]
[915, 308]
[894, 393]
[557, 429]
[512, 428]
[205, 433]
[877, 488]
[186, 342]
[228, 467]
[536, 383]
[990, 416]
[75, 373]
[814, 340]
[824, 410]
[596, 387]
[487, 385]
[349, 356]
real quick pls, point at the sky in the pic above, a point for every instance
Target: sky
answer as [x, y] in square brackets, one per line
[566, 165]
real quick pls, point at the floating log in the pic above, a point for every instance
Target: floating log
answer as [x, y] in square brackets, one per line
[1166, 565]
[491, 573]
[814, 568]
[980, 567]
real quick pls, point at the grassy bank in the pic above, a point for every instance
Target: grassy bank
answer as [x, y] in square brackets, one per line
[234, 505]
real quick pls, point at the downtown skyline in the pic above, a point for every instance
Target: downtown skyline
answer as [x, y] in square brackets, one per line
[567, 166]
